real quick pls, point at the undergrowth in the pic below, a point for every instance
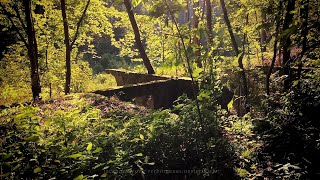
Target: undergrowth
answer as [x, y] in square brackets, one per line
[88, 136]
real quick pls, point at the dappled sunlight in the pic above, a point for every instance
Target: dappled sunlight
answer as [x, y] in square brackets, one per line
[162, 89]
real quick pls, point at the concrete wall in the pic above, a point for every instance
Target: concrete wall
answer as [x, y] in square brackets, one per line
[154, 94]
[127, 77]
[151, 91]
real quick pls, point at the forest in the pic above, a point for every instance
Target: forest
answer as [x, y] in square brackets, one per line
[159, 89]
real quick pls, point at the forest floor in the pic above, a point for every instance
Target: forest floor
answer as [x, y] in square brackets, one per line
[105, 105]
[249, 161]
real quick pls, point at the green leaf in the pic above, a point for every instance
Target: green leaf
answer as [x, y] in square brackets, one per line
[141, 136]
[80, 177]
[89, 147]
[32, 139]
[37, 170]
[135, 3]
[230, 104]
[295, 83]
[75, 156]
[99, 149]
[98, 165]
[139, 154]
[197, 72]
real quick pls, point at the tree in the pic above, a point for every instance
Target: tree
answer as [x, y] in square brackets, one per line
[286, 42]
[26, 28]
[304, 33]
[196, 40]
[278, 20]
[263, 34]
[235, 48]
[135, 28]
[69, 43]
[209, 21]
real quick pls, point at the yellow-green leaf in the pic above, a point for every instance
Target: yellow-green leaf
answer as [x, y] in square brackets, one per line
[99, 149]
[80, 177]
[32, 139]
[89, 147]
[37, 170]
[230, 104]
[74, 156]
[141, 136]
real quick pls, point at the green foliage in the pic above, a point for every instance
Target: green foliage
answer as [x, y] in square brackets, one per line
[108, 61]
[81, 76]
[73, 139]
[79, 140]
[175, 143]
[66, 144]
[101, 81]
[292, 129]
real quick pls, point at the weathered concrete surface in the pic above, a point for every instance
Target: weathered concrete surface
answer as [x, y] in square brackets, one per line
[155, 94]
[152, 91]
[127, 77]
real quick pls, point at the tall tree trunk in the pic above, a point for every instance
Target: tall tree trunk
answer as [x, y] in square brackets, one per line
[68, 42]
[262, 59]
[286, 42]
[48, 71]
[240, 56]
[189, 12]
[274, 50]
[68, 47]
[272, 65]
[135, 28]
[196, 40]
[304, 34]
[263, 31]
[263, 35]
[209, 21]
[32, 50]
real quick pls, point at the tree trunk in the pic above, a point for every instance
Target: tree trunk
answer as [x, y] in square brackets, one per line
[135, 28]
[262, 58]
[32, 50]
[263, 35]
[68, 70]
[263, 32]
[189, 12]
[304, 34]
[69, 43]
[48, 70]
[196, 40]
[240, 56]
[209, 21]
[274, 50]
[68, 47]
[286, 41]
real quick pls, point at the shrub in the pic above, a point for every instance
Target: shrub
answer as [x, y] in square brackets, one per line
[71, 138]
[108, 61]
[294, 134]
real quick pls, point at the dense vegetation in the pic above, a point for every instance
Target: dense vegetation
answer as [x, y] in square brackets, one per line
[264, 54]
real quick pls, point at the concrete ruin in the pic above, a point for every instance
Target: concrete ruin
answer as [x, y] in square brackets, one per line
[152, 91]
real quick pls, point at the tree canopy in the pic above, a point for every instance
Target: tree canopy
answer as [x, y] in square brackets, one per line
[253, 66]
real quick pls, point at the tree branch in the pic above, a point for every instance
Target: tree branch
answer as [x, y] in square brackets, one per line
[79, 23]
[188, 62]
[8, 15]
[19, 17]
